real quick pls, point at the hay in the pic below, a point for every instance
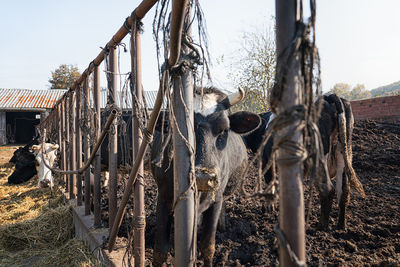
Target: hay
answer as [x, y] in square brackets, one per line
[36, 227]
[48, 230]
[72, 253]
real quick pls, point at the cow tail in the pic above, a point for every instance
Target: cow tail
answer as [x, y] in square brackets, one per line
[345, 126]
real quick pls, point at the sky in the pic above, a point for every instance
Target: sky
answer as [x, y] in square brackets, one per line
[358, 40]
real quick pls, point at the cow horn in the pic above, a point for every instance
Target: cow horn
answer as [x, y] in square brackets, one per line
[236, 97]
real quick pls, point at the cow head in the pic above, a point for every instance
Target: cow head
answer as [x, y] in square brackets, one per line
[219, 147]
[48, 155]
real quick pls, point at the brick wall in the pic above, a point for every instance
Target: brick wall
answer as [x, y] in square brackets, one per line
[380, 108]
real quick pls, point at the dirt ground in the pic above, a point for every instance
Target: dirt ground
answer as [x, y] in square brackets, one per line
[372, 236]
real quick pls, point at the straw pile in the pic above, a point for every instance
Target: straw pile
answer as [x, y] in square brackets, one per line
[36, 227]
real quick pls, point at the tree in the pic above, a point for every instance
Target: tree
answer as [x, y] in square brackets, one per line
[64, 77]
[341, 90]
[254, 69]
[359, 92]
[345, 91]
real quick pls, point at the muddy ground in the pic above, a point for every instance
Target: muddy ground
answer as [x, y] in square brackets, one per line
[372, 236]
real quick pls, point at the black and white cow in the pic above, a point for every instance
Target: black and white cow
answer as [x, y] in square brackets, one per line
[25, 167]
[335, 125]
[220, 155]
[45, 158]
[24, 161]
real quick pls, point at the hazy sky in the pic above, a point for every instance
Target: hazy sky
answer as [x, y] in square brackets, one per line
[359, 40]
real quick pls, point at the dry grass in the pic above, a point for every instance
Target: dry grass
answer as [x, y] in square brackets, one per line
[36, 227]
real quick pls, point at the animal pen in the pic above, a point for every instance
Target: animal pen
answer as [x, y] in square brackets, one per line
[75, 124]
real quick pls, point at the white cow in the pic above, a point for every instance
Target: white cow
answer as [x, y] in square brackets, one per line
[48, 156]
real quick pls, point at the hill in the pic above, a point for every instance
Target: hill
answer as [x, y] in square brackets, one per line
[391, 89]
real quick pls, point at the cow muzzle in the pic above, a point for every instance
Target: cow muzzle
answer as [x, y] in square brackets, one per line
[206, 179]
[44, 183]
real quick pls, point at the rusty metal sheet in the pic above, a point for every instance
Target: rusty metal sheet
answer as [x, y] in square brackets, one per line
[24, 99]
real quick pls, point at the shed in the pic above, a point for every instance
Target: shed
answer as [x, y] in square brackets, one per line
[22, 109]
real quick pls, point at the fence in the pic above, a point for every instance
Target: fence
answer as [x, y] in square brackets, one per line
[77, 113]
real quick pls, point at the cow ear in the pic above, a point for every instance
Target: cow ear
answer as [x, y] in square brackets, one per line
[244, 122]
[35, 147]
[54, 146]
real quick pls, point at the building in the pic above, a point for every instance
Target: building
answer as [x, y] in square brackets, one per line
[22, 109]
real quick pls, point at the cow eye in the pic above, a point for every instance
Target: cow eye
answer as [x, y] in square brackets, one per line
[221, 140]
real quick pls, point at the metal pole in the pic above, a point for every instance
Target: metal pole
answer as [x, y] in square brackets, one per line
[291, 216]
[86, 146]
[78, 136]
[72, 177]
[113, 141]
[185, 235]
[97, 164]
[139, 214]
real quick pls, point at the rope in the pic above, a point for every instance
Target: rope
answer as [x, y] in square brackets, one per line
[285, 244]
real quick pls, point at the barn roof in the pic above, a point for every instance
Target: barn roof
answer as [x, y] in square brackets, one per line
[27, 99]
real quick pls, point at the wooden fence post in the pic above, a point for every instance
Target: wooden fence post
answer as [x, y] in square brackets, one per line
[72, 119]
[86, 145]
[291, 215]
[78, 116]
[113, 135]
[67, 140]
[185, 234]
[139, 214]
[97, 166]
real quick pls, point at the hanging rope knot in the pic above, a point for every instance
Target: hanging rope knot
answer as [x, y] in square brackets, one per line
[148, 137]
[136, 22]
[139, 222]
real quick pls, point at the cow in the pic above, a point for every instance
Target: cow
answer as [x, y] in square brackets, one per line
[24, 166]
[335, 124]
[124, 155]
[24, 161]
[45, 157]
[220, 159]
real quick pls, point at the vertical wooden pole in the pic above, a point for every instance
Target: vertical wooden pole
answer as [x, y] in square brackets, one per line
[86, 144]
[185, 236]
[291, 216]
[97, 166]
[139, 212]
[60, 137]
[62, 144]
[67, 141]
[72, 177]
[78, 107]
[112, 87]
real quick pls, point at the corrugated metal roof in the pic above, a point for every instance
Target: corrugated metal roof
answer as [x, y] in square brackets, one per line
[124, 99]
[25, 99]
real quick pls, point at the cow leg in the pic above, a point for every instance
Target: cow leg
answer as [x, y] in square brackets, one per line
[209, 228]
[222, 219]
[163, 229]
[326, 195]
[342, 189]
